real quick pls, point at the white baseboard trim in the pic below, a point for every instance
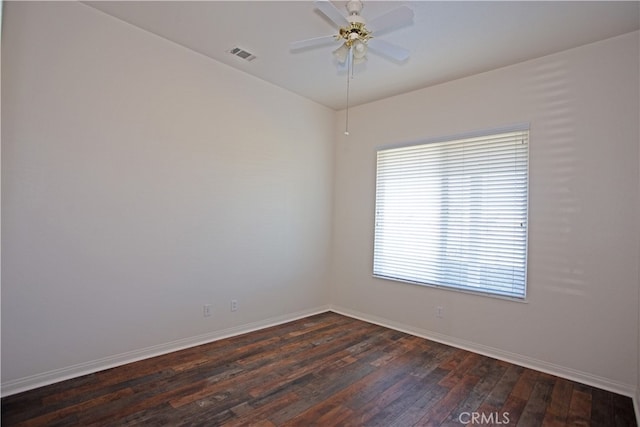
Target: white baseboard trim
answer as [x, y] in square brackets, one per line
[517, 359]
[57, 375]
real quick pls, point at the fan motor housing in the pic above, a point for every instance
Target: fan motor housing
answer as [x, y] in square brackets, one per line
[356, 19]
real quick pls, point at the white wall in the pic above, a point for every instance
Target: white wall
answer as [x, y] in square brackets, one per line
[140, 181]
[581, 318]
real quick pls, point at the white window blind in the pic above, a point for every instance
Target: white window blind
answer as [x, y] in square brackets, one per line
[454, 214]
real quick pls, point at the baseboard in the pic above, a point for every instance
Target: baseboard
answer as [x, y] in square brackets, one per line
[517, 359]
[50, 377]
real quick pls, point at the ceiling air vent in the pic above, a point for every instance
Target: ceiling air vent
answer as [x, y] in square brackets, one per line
[241, 53]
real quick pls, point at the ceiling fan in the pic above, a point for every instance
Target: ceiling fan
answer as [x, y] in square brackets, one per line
[356, 35]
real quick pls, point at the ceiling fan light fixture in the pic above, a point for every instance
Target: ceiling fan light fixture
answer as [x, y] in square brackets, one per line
[341, 53]
[353, 36]
[359, 51]
[352, 31]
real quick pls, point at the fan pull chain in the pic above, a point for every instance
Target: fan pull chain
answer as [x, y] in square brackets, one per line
[349, 77]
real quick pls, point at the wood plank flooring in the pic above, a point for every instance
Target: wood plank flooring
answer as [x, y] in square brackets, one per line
[324, 370]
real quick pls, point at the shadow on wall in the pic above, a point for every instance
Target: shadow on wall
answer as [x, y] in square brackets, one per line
[554, 203]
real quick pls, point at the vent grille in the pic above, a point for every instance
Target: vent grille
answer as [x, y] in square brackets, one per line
[243, 54]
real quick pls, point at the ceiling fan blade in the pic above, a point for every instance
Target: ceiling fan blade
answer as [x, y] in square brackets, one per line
[331, 12]
[310, 43]
[388, 50]
[391, 20]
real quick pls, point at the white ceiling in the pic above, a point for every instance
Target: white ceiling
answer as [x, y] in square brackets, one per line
[447, 40]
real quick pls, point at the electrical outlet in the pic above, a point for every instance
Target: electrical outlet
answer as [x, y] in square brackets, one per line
[234, 305]
[206, 310]
[439, 312]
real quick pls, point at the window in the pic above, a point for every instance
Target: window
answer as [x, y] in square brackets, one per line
[453, 213]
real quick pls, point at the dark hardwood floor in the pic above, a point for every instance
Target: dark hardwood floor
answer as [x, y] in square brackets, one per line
[325, 370]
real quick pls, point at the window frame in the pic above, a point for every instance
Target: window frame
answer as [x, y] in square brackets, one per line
[522, 127]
